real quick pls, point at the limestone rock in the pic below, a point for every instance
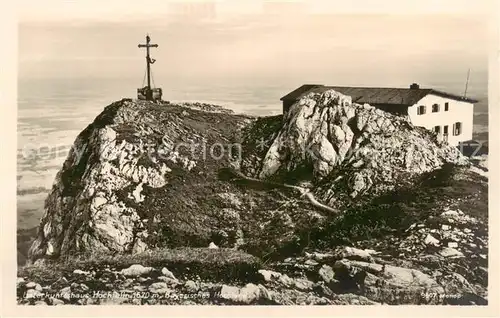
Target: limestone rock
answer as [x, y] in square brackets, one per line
[191, 286]
[212, 245]
[453, 244]
[159, 288]
[326, 273]
[311, 262]
[391, 284]
[40, 303]
[245, 295]
[136, 270]
[326, 131]
[456, 284]
[31, 285]
[269, 275]
[56, 302]
[169, 280]
[399, 276]
[353, 253]
[65, 293]
[285, 280]
[458, 217]
[303, 284]
[431, 240]
[451, 252]
[168, 273]
[80, 272]
[320, 257]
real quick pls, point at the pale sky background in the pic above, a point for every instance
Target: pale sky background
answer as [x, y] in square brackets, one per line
[249, 42]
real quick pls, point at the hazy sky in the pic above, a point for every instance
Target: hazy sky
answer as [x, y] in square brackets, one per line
[46, 10]
[260, 43]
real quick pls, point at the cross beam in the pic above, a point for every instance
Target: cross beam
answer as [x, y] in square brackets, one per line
[149, 61]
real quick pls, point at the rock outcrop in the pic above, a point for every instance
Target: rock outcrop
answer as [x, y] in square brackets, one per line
[192, 204]
[146, 175]
[349, 148]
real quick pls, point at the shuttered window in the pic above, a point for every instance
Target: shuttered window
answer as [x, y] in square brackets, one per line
[421, 110]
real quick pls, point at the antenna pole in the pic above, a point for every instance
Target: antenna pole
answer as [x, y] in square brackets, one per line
[467, 83]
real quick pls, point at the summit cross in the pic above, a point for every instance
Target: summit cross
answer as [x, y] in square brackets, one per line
[149, 60]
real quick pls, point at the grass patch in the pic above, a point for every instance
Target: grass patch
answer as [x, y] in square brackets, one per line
[219, 264]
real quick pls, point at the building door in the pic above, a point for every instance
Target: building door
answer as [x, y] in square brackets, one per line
[437, 130]
[445, 133]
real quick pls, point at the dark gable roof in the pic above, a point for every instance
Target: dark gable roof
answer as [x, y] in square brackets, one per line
[296, 93]
[376, 95]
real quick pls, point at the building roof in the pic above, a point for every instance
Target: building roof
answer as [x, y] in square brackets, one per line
[296, 93]
[376, 95]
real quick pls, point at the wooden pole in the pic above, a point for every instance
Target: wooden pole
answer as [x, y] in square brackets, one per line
[467, 83]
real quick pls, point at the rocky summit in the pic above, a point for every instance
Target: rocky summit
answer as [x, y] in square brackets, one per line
[331, 203]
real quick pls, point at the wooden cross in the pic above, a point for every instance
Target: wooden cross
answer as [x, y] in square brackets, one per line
[149, 60]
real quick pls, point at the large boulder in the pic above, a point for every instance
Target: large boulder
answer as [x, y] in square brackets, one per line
[132, 179]
[351, 149]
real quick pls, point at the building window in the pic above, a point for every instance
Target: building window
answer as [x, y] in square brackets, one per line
[457, 129]
[445, 130]
[435, 108]
[421, 110]
[446, 106]
[437, 129]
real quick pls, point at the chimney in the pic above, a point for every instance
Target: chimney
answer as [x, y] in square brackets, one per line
[414, 86]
